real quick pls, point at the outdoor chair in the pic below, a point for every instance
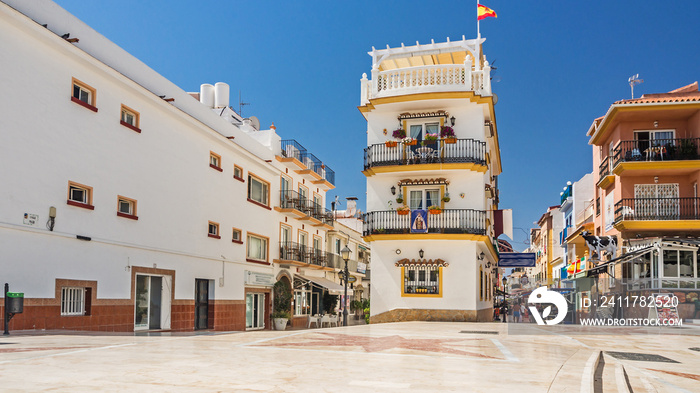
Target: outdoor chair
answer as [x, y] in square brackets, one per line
[315, 320]
[333, 319]
[326, 319]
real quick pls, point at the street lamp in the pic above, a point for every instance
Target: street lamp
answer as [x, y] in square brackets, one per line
[345, 254]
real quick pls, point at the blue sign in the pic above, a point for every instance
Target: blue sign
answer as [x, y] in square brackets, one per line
[516, 259]
[419, 221]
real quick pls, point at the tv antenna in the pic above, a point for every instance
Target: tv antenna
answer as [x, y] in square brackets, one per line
[633, 81]
[241, 104]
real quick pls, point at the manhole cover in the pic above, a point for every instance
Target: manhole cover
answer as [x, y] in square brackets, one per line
[695, 349]
[640, 357]
[478, 332]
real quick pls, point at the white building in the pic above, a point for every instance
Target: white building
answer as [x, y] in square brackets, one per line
[577, 210]
[431, 266]
[130, 205]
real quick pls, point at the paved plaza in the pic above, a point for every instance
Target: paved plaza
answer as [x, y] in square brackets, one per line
[409, 356]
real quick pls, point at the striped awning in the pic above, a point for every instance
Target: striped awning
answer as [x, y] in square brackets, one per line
[421, 262]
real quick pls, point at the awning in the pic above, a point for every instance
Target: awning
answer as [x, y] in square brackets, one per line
[421, 262]
[320, 282]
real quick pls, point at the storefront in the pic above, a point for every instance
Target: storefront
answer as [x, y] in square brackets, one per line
[663, 266]
[313, 296]
[258, 294]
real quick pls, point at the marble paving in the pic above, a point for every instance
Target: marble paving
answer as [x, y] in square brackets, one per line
[407, 356]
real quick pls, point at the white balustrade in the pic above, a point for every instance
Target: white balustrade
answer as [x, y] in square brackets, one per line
[450, 77]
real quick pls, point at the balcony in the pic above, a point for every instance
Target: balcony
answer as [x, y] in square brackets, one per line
[657, 213]
[296, 254]
[450, 221]
[295, 205]
[680, 154]
[566, 194]
[423, 79]
[606, 178]
[464, 154]
[305, 163]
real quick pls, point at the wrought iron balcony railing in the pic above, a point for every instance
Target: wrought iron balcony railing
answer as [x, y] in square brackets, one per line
[292, 148]
[449, 221]
[657, 209]
[290, 199]
[604, 168]
[291, 251]
[399, 153]
[657, 150]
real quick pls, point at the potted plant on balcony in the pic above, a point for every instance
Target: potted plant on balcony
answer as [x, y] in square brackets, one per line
[282, 305]
[434, 209]
[399, 198]
[449, 134]
[399, 133]
[430, 138]
[446, 197]
[403, 210]
[408, 141]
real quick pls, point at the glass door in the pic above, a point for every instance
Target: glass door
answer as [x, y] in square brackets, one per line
[255, 311]
[201, 305]
[422, 199]
[149, 299]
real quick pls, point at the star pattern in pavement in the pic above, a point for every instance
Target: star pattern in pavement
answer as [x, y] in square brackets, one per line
[379, 344]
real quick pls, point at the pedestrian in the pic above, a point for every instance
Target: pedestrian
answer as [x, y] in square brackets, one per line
[516, 313]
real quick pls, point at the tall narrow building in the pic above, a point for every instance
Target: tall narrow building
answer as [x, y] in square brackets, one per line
[431, 162]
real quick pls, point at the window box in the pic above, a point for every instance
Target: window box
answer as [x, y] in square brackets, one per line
[390, 143]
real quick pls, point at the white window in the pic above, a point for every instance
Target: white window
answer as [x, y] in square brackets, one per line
[72, 301]
[82, 93]
[78, 194]
[213, 229]
[214, 160]
[418, 131]
[238, 172]
[258, 190]
[237, 235]
[126, 206]
[422, 199]
[257, 248]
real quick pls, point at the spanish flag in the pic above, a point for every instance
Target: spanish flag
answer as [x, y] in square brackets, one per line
[484, 12]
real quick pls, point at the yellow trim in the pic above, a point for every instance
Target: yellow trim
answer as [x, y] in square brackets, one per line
[442, 195]
[324, 183]
[651, 165]
[606, 181]
[298, 214]
[656, 225]
[425, 167]
[403, 286]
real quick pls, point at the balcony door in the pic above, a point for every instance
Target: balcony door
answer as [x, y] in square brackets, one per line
[422, 199]
[418, 132]
[656, 202]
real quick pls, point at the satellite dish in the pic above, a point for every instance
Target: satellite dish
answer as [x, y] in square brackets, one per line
[495, 99]
[255, 122]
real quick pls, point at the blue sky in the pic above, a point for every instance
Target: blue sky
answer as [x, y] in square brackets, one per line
[560, 63]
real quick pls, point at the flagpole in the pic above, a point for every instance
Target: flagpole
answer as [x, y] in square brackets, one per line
[478, 31]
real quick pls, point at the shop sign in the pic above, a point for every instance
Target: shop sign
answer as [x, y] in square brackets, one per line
[352, 278]
[260, 279]
[361, 267]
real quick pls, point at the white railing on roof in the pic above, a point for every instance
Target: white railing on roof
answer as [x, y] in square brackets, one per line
[448, 77]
